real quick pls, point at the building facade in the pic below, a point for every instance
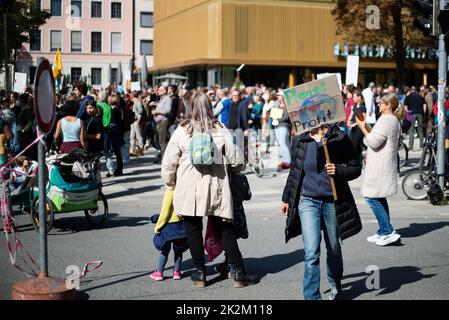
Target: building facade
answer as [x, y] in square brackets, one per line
[143, 26]
[95, 38]
[277, 40]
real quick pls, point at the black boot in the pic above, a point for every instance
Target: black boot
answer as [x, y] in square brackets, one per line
[199, 278]
[241, 278]
[224, 270]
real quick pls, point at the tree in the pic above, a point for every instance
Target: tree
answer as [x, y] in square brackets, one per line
[22, 18]
[395, 28]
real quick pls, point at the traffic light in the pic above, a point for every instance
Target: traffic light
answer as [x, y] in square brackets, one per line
[443, 19]
[427, 23]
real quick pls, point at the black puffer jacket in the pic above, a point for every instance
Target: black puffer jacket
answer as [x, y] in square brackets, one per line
[342, 154]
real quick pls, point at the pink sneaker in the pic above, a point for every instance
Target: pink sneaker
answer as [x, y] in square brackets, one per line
[157, 276]
[176, 275]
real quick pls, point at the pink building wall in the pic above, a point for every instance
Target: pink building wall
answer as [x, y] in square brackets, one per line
[86, 25]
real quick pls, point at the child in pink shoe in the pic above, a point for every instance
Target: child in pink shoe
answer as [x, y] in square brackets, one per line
[169, 231]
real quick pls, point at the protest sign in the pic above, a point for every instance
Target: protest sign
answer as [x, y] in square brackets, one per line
[314, 104]
[135, 86]
[352, 70]
[325, 75]
[20, 82]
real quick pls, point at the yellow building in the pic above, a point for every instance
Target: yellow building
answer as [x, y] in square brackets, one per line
[277, 40]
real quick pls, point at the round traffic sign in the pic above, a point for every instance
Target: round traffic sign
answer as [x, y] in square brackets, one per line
[44, 96]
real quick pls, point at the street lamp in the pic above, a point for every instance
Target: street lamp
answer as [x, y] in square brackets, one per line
[6, 4]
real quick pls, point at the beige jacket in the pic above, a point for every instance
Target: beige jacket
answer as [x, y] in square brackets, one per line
[380, 179]
[201, 191]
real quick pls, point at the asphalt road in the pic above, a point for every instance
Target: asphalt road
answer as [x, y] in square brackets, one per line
[417, 268]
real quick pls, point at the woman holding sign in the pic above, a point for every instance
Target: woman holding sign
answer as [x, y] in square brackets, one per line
[310, 205]
[381, 176]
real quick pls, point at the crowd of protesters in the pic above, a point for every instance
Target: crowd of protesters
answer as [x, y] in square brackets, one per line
[123, 124]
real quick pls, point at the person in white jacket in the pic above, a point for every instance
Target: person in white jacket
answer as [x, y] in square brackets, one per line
[381, 176]
[368, 96]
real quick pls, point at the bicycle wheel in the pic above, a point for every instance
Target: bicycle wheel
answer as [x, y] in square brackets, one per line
[416, 184]
[35, 214]
[403, 155]
[98, 216]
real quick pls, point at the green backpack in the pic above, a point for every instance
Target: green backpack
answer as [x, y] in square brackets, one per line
[201, 149]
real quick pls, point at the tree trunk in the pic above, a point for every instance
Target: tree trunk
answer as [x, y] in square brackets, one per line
[399, 43]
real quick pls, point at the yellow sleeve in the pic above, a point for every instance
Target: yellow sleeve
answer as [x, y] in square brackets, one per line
[166, 211]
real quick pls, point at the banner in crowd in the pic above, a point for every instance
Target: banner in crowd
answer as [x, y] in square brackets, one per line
[352, 70]
[314, 104]
[135, 86]
[20, 82]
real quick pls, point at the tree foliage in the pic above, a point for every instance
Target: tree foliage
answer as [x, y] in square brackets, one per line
[351, 17]
[396, 28]
[22, 18]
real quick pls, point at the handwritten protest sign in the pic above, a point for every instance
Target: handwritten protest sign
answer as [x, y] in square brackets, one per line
[314, 104]
[327, 74]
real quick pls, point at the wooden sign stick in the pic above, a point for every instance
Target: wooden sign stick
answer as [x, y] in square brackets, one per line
[328, 160]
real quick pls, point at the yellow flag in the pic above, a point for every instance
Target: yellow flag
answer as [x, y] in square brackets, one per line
[57, 65]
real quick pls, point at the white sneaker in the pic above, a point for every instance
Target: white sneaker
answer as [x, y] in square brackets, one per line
[373, 238]
[390, 238]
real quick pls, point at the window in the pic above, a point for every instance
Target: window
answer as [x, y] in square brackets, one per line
[96, 76]
[146, 19]
[114, 75]
[75, 74]
[77, 41]
[95, 42]
[116, 42]
[33, 70]
[116, 10]
[96, 9]
[35, 40]
[77, 8]
[56, 8]
[55, 40]
[146, 47]
[37, 5]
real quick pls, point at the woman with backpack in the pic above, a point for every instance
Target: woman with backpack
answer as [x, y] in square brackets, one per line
[198, 162]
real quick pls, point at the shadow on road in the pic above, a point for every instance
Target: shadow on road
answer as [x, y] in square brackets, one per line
[79, 223]
[274, 264]
[419, 229]
[128, 179]
[135, 275]
[390, 280]
[132, 191]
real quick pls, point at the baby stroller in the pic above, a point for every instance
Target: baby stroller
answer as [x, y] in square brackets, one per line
[73, 184]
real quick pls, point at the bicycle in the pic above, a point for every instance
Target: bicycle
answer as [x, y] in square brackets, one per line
[257, 157]
[402, 153]
[428, 155]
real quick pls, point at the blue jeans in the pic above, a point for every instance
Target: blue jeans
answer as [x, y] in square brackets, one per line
[163, 257]
[284, 141]
[313, 214]
[382, 213]
[15, 144]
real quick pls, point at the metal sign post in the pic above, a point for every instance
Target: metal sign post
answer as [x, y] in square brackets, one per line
[43, 287]
[43, 256]
[442, 73]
